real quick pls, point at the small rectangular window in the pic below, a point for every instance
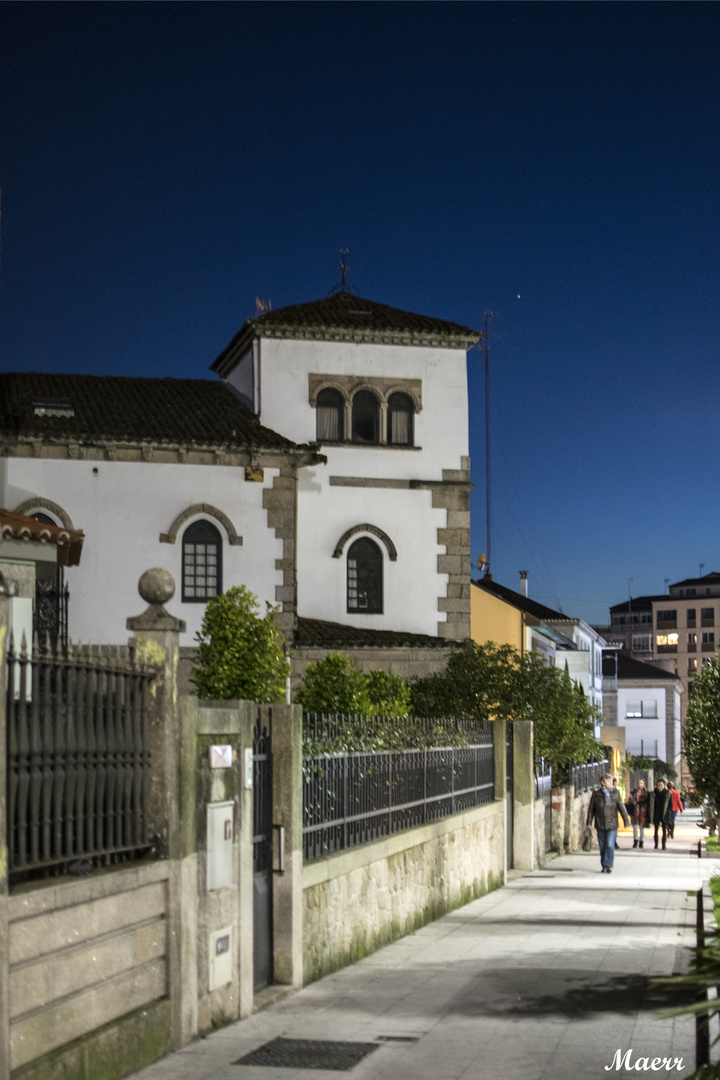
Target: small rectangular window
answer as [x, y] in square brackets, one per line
[669, 615]
[708, 637]
[634, 708]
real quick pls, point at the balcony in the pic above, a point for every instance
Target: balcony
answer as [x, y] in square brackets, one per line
[708, 621]
[707, 646]
[692, 647]
[667, 624]
[692, 623]
[671, 648]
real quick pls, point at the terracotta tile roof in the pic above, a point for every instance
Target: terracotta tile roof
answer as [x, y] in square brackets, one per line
[707, 579]
[345, 317]
[630, 668]
[522, 603]
[330, 635]
[69, 542]
[89, 408]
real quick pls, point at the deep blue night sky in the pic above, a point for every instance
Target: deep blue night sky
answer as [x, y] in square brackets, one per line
[559, 164]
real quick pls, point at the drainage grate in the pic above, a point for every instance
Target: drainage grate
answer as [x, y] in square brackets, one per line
[308, 1054]
[399, 1038]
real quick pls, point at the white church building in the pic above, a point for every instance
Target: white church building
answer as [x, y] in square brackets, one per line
[326, 468]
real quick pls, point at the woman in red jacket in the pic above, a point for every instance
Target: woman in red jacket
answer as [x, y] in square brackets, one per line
[676, 805]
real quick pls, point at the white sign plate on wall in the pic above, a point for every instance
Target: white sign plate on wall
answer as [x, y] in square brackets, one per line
[220, 958]
[220, 817]
[221, 757]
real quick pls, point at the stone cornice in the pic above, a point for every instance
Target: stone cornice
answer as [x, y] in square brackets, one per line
[369, 336]
[158, 453]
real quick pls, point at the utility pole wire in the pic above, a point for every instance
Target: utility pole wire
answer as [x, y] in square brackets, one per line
[488, 565]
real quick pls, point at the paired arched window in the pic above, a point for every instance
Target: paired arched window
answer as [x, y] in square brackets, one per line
[371, 423]
[364, 578]
[400, 420]
[202, 562]
[330, 416]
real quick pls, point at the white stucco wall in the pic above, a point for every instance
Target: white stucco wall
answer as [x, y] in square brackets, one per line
[412, 584]
[647, 731]
[122, 507]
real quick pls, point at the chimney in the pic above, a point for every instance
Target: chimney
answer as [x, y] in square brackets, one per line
[523, 582]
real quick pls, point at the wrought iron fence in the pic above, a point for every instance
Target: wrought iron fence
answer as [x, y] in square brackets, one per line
[587, 776]
[50, 618]
[543, 780]
[353, 798]
[78, 764]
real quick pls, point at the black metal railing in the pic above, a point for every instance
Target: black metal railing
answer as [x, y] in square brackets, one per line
[50, 618]
[78, 767]
[543, 780]
[587, 776]
[356, 797]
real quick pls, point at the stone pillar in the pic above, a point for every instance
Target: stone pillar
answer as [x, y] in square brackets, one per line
[559, 800]
[230, 722]
[157, 642]
[7, 589]
[524, 792]
[499, 728]
[288, 813]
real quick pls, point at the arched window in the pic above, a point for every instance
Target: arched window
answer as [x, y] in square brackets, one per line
[365, 417]
[330, 413]
[364, 578]
[400, 420]
[202, 562]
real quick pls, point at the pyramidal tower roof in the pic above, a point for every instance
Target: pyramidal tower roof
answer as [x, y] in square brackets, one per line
[346, 317]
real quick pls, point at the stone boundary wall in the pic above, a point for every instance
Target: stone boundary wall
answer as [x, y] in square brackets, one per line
[82, 954]
[576, 809]
[356, 901]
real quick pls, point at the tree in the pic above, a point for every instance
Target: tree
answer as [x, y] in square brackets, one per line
[494, 682]
[701, 733]
[334, 685]
[240, 653]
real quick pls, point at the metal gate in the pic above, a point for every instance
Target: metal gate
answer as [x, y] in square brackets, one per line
[510, 803]
[543, 790]
[262, 856]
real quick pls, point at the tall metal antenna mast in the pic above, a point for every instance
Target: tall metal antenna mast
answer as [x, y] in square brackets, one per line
[344, 268]
[488, 566]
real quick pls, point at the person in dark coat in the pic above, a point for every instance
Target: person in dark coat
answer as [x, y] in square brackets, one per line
[661, 811]
[640, 814]
[605, 805]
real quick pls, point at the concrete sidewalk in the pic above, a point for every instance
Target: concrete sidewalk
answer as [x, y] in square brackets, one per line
[544, 979]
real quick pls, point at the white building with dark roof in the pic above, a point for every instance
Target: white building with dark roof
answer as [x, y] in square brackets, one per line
[326, 468]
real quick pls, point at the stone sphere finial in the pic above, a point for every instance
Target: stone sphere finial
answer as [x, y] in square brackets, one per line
[156, 586]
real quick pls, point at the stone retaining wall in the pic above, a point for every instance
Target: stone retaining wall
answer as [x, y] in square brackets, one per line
[356, 901]
[84, 954]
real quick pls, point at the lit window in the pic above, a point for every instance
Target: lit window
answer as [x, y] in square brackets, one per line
[692, 663]
[400, 420]
[330, 416]
[667, 639]
[365, 425]
[642, 709]
[365, 578]
[202, 562]
[692, 639]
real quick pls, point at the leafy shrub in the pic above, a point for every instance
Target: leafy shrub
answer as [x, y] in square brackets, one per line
[240, 653]
[334, 685]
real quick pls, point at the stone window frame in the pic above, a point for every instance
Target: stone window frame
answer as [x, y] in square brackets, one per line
[200, 510]
[374, 532]
[30, 505]
[382, 387]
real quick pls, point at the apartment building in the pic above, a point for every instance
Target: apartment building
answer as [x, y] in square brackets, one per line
[686, 625]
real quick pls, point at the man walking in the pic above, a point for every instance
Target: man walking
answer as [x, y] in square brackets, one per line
[660, 811]
[605, 805]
